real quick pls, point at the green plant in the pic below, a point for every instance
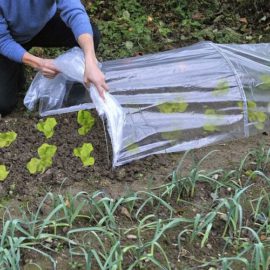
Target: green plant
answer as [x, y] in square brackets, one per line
[104, 208]
[7, 138]
[185, 185]
[151, 199]
[129, 30]
[173, 107]
[265, 82]
[262, 157]
[75, 265]
[107, 254]
[260, 254]
[86, 120]
[3, 172]
[47, 127]
[212, 116]
[234, 212]
[222, 88]
[73, 206]
[145, 251]
[254, 114]
[84, 153]
[260, 209]
[46, 153]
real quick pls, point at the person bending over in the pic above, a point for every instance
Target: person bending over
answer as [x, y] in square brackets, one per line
[43, 23]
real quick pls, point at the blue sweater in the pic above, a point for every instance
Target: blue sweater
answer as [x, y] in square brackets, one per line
[21, 20]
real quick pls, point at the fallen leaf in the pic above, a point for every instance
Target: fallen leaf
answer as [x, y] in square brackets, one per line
[129, 45]
[67, 203]
[224, 217]
[131, 237]
[243, 20]
[214, 196]
[197, 16]
[125, 212]
[263, 19]
[149, 19]
[126, 15]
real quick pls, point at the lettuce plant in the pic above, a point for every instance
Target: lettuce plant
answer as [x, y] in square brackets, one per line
[211, 114]
[47, 127]
[46, 153]
[86, 120]
[84, 154]
[265, 82]
[3, 172]
[254, 115]
[7, 138]
[222, 88]
[173, 107]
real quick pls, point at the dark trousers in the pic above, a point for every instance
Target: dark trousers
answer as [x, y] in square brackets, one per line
[54, 34]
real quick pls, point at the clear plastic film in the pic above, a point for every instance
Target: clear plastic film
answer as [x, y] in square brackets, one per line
[168, 102]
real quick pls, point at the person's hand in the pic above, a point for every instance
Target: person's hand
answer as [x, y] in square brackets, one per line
[93, 74]
[47, 68]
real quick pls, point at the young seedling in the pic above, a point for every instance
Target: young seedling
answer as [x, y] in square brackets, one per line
[46, 153]
[86, 120]
[265, 82]
[7, 138]
[222, 88]
[84, 154]
[173, 107]
[254, 115]
[211, 114]
[3, 172]
[47, 127]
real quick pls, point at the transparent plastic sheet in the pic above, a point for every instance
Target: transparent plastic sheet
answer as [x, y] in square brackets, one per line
[54, 94]
[171, 101]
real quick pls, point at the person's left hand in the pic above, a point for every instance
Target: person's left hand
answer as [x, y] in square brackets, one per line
[93, 74]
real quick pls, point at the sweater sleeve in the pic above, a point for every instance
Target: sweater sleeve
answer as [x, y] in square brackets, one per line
[8, 46]
[74, 15]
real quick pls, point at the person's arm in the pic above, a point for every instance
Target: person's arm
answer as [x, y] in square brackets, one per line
[74, 15]
[8, 46]
[92, 73]
[15, 52]
[45, 66]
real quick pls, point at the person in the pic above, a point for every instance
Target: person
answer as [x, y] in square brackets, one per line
[43, 23]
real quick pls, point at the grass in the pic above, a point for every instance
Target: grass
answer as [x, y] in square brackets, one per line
[144, 230]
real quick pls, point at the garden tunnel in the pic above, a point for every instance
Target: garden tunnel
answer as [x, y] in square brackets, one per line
[170, 101]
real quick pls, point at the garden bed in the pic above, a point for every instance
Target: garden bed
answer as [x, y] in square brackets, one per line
[136, 182]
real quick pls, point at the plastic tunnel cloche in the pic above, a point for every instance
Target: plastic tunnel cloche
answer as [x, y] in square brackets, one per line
[170, 101]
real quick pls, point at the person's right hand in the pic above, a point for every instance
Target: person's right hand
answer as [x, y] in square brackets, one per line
[48, 68]
[45, 66]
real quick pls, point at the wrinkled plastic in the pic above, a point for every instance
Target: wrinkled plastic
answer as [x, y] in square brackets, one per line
[54, 93]
[170, 101]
